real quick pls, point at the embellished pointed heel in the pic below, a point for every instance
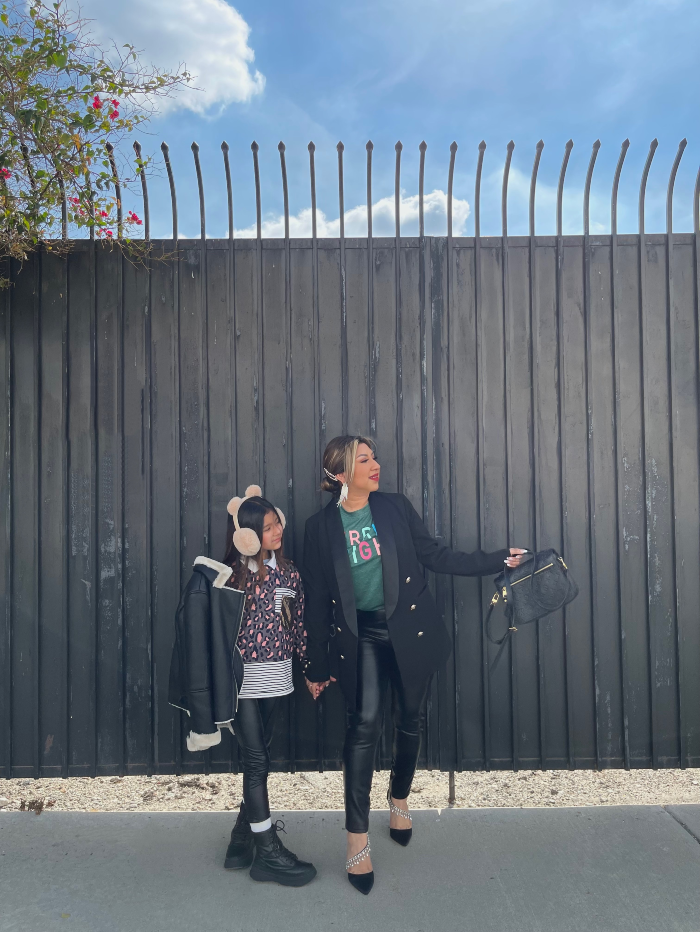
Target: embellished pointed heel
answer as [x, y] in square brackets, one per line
[362, 883]
[402, 836]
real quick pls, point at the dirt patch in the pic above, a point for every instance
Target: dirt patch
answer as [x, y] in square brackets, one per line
[312, 791]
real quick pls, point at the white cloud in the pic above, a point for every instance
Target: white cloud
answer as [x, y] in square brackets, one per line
[383, 224]
[546, 205]
[209, 36]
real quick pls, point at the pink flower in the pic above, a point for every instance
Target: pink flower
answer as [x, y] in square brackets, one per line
[96, 103]
[114, 114]
[5, 173]
[109, 233]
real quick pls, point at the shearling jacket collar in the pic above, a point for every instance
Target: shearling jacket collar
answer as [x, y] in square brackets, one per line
[221, 572]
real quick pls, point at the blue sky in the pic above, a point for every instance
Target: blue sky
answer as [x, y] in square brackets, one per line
[387, 70]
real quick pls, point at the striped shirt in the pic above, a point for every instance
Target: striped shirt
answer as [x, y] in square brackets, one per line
[266, 679]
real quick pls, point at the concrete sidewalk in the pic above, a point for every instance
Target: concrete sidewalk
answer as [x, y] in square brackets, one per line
[603, 868]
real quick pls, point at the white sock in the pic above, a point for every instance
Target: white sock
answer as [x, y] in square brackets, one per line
[261, 827]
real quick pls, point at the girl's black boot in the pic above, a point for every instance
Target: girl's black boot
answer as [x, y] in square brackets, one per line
[274, 862]
[240, 849]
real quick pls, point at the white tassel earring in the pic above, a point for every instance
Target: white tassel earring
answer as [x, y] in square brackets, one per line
[343, 491]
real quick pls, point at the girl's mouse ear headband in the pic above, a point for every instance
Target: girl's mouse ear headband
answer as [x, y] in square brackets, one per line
[245, 540]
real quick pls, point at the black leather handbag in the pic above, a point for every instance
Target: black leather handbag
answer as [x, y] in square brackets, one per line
[540, 585]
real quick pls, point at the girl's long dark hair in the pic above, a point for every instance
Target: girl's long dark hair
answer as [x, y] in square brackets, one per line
[250, 515]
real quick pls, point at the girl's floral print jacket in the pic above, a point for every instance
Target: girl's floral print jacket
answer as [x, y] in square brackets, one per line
[263, 635]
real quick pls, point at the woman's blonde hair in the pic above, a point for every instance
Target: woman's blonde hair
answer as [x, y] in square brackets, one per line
[339, 457]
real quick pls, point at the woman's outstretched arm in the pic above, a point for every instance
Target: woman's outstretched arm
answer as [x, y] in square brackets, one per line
[442, 559]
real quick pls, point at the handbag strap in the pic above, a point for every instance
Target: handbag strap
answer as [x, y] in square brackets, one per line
[503, 641]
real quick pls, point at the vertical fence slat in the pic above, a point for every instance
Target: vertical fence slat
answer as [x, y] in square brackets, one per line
[618, 462]
[451, 749]
[53, 620]
[561, 398]
[422, 285]
[343, 294]
[506, 312]
[230, 429]
[551, 657]
[25, 514]
[682, 544]
[6, 523]
[398, 347]
[260, 360]
[480, 356]
[137, 524]
[533, 362]
[372, 402]
[167, 482]
[110, 515]
[590, 468]
[652, 490]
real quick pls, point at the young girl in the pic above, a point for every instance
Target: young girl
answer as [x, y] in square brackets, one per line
[242, 663]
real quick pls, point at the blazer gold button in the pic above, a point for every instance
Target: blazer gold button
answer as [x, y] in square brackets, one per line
[337, 628]
[413, 606]
[408, 579]
[342, 657]
[419, 634]
[334, 602]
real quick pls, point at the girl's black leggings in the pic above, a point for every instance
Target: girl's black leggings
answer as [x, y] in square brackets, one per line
[253, 728]
[376, 669]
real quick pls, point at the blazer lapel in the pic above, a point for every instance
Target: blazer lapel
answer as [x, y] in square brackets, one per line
[381, 514]
[341, 564]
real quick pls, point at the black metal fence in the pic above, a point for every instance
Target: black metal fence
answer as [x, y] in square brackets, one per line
[532, 390]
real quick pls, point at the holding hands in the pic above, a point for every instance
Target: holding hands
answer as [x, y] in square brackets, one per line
[316, 689]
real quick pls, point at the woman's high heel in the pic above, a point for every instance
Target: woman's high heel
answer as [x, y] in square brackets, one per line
[402, 836]
[363, 883]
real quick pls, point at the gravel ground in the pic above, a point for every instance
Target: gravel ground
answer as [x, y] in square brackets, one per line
[313, 791]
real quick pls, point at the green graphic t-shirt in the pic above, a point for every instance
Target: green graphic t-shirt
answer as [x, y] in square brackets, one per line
[365, 558]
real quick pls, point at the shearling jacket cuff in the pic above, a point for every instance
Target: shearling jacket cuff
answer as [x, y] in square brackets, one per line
[198, 742]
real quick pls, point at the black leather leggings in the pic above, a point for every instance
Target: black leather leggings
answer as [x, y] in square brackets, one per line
[253, 728]
[376, 669]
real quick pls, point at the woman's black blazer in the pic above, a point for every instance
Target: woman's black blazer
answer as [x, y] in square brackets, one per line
[418, 634]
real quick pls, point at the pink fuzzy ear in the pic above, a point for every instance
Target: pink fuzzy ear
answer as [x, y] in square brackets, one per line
[253, 491]
[283, 520]
[234, 505]
[246, 542]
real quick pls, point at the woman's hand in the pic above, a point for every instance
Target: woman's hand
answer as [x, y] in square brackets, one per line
[515, 559]
[317, 688]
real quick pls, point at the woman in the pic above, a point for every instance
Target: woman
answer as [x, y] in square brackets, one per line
[366, 591]
[227, 660]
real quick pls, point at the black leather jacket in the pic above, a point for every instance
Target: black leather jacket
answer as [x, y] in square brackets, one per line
[206, 671]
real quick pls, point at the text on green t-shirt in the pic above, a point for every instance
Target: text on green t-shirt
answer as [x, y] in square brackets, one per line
[365, 558]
